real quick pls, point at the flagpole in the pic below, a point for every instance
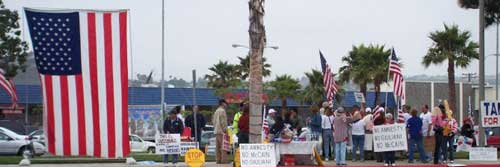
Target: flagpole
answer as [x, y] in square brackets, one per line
[162, 85]
[387, 79]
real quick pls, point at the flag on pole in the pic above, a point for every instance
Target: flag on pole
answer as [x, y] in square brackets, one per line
[328, 80]
[265, 127]
[81, 57]
[9, 87]
[395, 70]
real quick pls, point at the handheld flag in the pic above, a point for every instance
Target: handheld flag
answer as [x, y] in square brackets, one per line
[328, 80]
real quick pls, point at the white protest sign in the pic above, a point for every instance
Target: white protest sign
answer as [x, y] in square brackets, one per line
[257, 155]
[390, 137]
[483, 154]
[359, 97]
[185, 146]
[168, 144]
[490, 114]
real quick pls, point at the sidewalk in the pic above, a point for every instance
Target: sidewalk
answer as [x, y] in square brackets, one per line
[400, 163]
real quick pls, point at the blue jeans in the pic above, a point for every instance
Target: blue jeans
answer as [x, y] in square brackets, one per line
[174, 158]
[358, 141]
[327, 141]
[420, 146]
[340, 149]
[316, 137]
[449, 148]
[389, 157]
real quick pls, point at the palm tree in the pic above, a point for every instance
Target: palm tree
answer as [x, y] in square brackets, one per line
[314, 92]
[454, 46]
[244, 67]
[491, 8]
[225, 76]
[284, 87]
[257, 34]
[366, 65]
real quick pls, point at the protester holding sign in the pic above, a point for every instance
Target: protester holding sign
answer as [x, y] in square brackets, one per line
[172, 125]
[438, 114]
[341, 135]
[468, 130]
[389, 156]
[414, 126]
[450, 127]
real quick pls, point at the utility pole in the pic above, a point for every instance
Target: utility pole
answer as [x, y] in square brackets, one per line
[469, 76]
[481, 68]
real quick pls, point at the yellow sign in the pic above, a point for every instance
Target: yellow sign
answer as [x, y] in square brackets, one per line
[194, 158]
[237, 158]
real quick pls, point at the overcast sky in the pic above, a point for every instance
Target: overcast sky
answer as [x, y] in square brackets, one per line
[199, 33]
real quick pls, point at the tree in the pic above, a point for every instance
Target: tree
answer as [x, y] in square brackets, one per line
[282, 88]
[491, 9]
[257, 34]
[13, 51]
[225, 76]
[454, 46]
[366, 65]
[244, 67]
[314, 92]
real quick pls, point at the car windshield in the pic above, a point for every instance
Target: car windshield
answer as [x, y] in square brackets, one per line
[7, 131]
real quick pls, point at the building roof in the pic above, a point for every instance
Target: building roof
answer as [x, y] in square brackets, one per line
[32, 94]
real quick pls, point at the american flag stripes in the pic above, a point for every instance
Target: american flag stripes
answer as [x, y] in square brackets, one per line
[328, 80]
[81, 57]
[9, 87]
[395, 70]
[401, 117]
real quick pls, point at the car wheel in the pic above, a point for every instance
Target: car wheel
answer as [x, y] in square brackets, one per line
[151, 150]
[26, 148]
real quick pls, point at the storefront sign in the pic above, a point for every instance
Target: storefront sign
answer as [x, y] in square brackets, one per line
[490, 114]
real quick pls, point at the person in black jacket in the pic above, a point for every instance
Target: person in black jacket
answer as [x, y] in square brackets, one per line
[200, 123]
[172, 125]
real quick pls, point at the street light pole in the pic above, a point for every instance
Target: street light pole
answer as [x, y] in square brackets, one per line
[162, 85]
[496, 72]
[481, 68]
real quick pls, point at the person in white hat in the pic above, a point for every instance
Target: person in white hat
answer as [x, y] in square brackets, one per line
[270, 117]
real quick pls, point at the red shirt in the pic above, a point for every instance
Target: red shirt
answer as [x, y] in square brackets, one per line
[243, 123]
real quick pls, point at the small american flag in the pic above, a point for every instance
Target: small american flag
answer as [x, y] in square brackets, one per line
[81, 57]
[9, 87]
[328, 80]
[265, 128]
[395, 70]
[401, 117]
[378, 110]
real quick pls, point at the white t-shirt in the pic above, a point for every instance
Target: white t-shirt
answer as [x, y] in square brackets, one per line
[407, 116]
[326, 122]
[426, 120]
[358, 128]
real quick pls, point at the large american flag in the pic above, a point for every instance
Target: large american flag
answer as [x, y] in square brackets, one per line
[395, 70]
[328, 80]
[9, 87]
[81, 57]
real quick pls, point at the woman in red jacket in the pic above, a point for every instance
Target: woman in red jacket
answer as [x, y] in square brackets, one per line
[243, 125]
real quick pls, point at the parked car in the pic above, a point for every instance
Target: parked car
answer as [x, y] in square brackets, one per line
[13, 145]
[13, 134]
[137, 144]
[205, 138]
[37, 136]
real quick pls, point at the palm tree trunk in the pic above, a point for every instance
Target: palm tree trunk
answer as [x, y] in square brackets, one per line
[363, 88]
[451, 84]
[377, 91]
[283, 107]
[257, 42]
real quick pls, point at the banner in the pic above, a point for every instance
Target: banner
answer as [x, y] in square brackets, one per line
[168, 144]
[390, 137]
[146, 120]
[490, 114]
[464, 144]
[483, 154]
[257, 155]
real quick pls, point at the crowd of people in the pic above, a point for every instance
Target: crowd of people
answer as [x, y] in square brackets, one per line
[432, 134]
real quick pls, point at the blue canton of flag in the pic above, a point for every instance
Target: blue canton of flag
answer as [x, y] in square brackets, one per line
[56, 41]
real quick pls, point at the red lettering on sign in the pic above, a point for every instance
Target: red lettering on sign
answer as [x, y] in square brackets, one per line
[491, 121]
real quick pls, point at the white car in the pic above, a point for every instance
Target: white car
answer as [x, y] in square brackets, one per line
[139, 145]
[13, 134]
[13, 145]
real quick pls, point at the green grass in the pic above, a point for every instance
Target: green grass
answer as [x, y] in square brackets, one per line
[61, 160]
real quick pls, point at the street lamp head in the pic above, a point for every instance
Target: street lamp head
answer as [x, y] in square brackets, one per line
[274, 47]
[235, 45]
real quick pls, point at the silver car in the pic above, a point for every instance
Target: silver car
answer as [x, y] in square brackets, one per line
[13, 145]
